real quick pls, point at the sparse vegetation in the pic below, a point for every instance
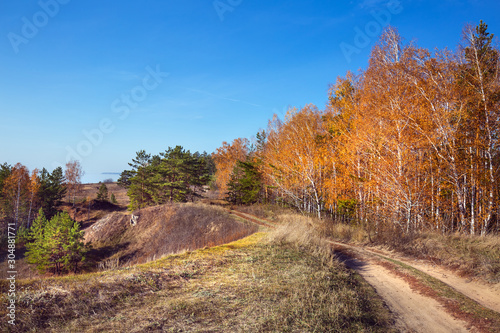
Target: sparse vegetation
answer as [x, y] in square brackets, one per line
[248, 285]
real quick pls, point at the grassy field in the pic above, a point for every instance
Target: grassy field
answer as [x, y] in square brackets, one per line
[257, 284]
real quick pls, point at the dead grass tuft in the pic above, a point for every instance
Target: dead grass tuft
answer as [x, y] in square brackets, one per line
[264, 211]
[299, 230]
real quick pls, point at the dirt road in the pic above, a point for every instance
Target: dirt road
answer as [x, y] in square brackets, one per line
[488, 295]
[414, 312]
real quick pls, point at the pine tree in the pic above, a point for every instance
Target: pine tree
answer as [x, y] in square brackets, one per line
[56, 244]
[245, 185]
[102, 194]
[135, 180]
[52, 190]
[36, 249]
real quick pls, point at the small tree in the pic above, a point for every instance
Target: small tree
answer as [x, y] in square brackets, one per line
[56, 244]
[113, 198]
[36, 250]
[102, 194]
[73, 175]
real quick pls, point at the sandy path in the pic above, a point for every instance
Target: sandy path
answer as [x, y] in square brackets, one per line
[485, 294]
[414, 312]
[488, 295]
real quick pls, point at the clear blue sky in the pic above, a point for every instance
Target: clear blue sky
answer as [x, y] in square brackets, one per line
[157, 73]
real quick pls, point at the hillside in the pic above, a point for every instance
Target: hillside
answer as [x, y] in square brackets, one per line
[161, 230]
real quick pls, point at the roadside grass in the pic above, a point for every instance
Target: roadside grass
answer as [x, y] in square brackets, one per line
[474, 256]
[256, 284]
[459, 305]
[471, 256]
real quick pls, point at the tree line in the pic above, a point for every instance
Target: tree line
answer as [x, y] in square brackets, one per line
[175, 175]
[411, 143]
[23, 193]
[30, 201]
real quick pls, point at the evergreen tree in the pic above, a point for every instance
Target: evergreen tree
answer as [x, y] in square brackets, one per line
[245, 184]
[36, 249]
[102, 194]
[172, 175]
[56, 244]
[137, 179]
[5, 171]
[113, 199]
[178, 173]
[52, 190]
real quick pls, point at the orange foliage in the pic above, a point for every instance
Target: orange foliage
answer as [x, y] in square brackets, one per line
[225, 159]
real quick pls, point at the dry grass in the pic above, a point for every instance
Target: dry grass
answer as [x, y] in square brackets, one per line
[163, 230]
[265, 211]
[245, 286]
[90, 191]
[474, 256]
[343, 232]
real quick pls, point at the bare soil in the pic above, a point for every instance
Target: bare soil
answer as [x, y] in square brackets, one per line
[414, 312]
[488, 295]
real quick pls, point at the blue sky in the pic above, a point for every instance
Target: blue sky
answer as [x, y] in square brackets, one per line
[99, 80]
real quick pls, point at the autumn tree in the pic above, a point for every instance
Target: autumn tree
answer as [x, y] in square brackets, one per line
[33, 190]
[409, 144]
[479, 88]
[294, 160]
[73, 175]
[15, 193]
[5, 171]
[345, 185]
